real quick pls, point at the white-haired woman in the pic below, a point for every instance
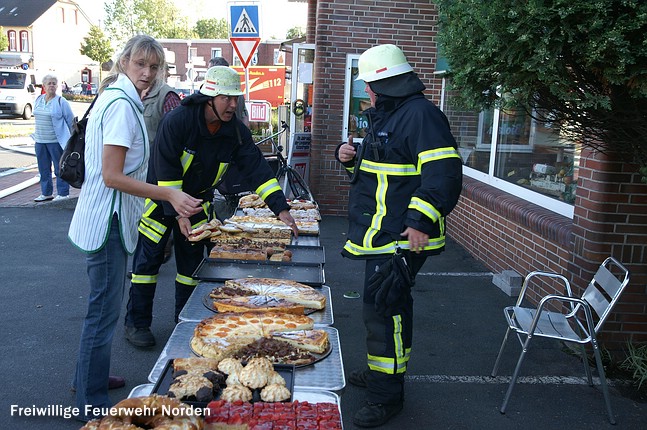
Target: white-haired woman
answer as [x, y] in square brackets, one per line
[53, 117]
[110, 204]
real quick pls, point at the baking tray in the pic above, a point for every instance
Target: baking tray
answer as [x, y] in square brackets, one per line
[314, 255]
[306, 240]
[195, 310]
[327, 374]
[166, 379]
[221, 270]
[310, 395]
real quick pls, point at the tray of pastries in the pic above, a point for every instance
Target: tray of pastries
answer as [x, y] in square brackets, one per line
[197, 380]
[280, 337]
[288, 253]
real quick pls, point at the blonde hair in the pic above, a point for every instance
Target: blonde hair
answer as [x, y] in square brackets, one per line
[140, 44]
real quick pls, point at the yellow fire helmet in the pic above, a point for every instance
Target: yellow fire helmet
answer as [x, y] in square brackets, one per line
[221, 80]
[382, 61]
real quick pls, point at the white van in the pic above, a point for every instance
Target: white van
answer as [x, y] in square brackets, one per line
[17, 92]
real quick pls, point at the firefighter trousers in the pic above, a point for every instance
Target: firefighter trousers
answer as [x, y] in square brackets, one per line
[147, 260]
[388, 340]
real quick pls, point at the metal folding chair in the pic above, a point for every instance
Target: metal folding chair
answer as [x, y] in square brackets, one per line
[567, 318]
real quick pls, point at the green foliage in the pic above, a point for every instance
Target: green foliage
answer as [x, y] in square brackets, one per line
[157, 18]
[212, 28]
[581, 63]
[636, 363]
[4, 40]
[97, 46]
[295, 33]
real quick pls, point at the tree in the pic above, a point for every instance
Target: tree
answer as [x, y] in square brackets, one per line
[97, 47]
[212, 28]
[295, 33]
[576, 63]
[4, 41]
[157, 18]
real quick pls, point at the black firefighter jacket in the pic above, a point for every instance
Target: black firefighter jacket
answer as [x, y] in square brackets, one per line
[410, 175]
[187, 156]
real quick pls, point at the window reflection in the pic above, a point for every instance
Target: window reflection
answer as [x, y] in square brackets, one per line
[529, 153]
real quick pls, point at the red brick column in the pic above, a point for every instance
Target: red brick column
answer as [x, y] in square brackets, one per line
[610, 218]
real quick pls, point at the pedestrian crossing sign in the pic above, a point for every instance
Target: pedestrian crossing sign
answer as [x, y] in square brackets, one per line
[244, 20]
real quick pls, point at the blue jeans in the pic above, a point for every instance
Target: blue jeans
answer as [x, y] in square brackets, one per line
[107, 272]
[46, 155]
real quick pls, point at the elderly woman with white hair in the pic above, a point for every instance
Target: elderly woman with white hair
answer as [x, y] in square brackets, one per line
[54, 119]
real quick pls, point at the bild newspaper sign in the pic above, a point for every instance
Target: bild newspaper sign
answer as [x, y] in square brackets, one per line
[259, 110]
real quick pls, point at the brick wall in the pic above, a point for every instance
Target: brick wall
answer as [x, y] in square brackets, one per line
[348, 27]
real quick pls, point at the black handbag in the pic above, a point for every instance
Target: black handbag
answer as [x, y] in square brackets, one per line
[72, 164]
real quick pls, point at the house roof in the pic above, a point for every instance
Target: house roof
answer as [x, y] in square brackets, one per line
[22, 13]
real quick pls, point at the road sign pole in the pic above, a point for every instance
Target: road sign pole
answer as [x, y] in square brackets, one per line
[246, 83]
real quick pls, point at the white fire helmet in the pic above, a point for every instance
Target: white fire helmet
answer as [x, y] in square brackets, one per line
[221, 80]
[382, 61]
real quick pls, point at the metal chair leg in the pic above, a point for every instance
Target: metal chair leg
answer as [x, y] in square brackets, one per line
[587, 368]
[515, 375]
[603, 381]
[495, 370]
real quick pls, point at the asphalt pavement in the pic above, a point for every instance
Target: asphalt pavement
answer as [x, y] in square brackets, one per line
[459, 325]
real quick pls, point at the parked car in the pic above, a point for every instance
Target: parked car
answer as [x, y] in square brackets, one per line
[78, 88]
[17, 92]
[186, 91]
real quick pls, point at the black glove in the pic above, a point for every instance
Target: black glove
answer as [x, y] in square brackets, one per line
[390, 286]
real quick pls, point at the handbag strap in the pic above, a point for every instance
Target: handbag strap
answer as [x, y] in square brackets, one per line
[87, 112]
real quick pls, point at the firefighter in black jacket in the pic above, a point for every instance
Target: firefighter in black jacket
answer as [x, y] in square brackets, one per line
[406, 177]
[194, 146]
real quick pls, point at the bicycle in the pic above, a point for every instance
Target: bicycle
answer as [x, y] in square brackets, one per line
[291, 181]
[233, 187]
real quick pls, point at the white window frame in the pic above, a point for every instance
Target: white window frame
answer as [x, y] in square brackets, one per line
[550, 203]
[24, 41]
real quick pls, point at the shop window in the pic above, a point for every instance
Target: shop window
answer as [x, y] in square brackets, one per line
[506, 149]
[355, 102]
[510, 150]
[11, 35]
[24, 41]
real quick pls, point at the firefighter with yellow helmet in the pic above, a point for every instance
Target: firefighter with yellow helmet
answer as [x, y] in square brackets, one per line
[194, 146]
[406, 176]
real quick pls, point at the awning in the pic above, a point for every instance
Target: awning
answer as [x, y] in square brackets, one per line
[13, 59]
[287, 45]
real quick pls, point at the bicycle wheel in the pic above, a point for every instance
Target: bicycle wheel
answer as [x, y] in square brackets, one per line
[293, 184]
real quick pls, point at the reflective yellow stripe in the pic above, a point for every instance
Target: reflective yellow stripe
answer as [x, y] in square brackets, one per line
[389, 248]
[268, 188]
[152, 229]
[171, 184]
[186, 160]
[392, 365]
[144, 279]
[424, 207]
[388, 169]
[222, 169]
[380, 209]
[149, 207]
[186, 280]
[437, 154]
[369, 250]
[398, 343]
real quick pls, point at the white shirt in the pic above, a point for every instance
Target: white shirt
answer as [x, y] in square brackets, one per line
[116, 119]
